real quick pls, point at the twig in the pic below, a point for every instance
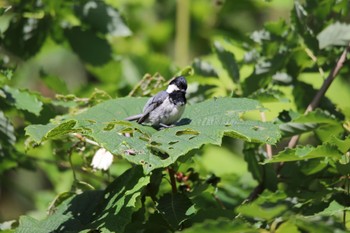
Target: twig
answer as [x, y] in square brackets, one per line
[268, 146]
[314, 58]
[84, 139]
[217, 199]
[256, 192]
[70, 153]
[172, 179]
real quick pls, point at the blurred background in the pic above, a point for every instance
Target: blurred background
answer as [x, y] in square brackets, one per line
[73, 47]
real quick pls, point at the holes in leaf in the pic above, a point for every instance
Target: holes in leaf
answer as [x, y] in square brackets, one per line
[171, 148]
[173, 142]
[153, 143]
[130, 152]
[161, 154]
[109, 127]
[143, 138]
[146, 164]
[187, 132]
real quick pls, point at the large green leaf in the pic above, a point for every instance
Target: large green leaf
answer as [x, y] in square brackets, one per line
[202, 123]
[120, 200]
[108, 211]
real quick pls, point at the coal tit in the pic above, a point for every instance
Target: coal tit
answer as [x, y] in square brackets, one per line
[166, 107]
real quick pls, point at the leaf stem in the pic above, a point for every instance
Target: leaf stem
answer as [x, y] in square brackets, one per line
[70, 152]
[172, 179]
[217, 199]
[268, 146]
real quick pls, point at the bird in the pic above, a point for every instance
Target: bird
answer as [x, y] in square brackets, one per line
[166, 107]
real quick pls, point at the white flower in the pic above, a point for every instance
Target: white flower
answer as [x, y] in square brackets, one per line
[102, 159]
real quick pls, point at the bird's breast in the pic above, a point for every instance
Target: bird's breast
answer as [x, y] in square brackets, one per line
[167, 113]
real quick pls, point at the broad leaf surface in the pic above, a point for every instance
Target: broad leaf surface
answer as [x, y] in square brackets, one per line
[108, 211]
[202, 123]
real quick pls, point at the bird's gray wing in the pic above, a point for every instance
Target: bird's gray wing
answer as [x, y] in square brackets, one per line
[152, 104]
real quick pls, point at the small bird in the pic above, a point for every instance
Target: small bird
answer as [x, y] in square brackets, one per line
[166, 107]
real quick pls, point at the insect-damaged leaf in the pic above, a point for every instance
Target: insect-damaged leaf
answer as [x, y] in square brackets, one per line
[202, 123]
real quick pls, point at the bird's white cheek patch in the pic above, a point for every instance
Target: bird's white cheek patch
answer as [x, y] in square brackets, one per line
[171, 88]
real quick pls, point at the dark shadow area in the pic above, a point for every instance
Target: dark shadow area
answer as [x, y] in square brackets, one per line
[184, 121]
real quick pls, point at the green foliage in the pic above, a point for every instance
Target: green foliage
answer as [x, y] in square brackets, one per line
[110, 210]
[154, 149]
[335, 34]
[22, 100]
[228, 165]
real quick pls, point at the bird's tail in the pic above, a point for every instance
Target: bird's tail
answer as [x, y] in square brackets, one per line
[134, 118]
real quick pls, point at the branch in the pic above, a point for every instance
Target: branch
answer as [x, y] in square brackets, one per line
[313, 104]
[326, 84]
[268, 146]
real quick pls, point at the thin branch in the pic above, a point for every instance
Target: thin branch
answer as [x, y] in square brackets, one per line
[314, 58]
[326, 84]
[220, 203]
[172, 179]
[70, 154]
[268, 146]
[84, 139]
[256, 192]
